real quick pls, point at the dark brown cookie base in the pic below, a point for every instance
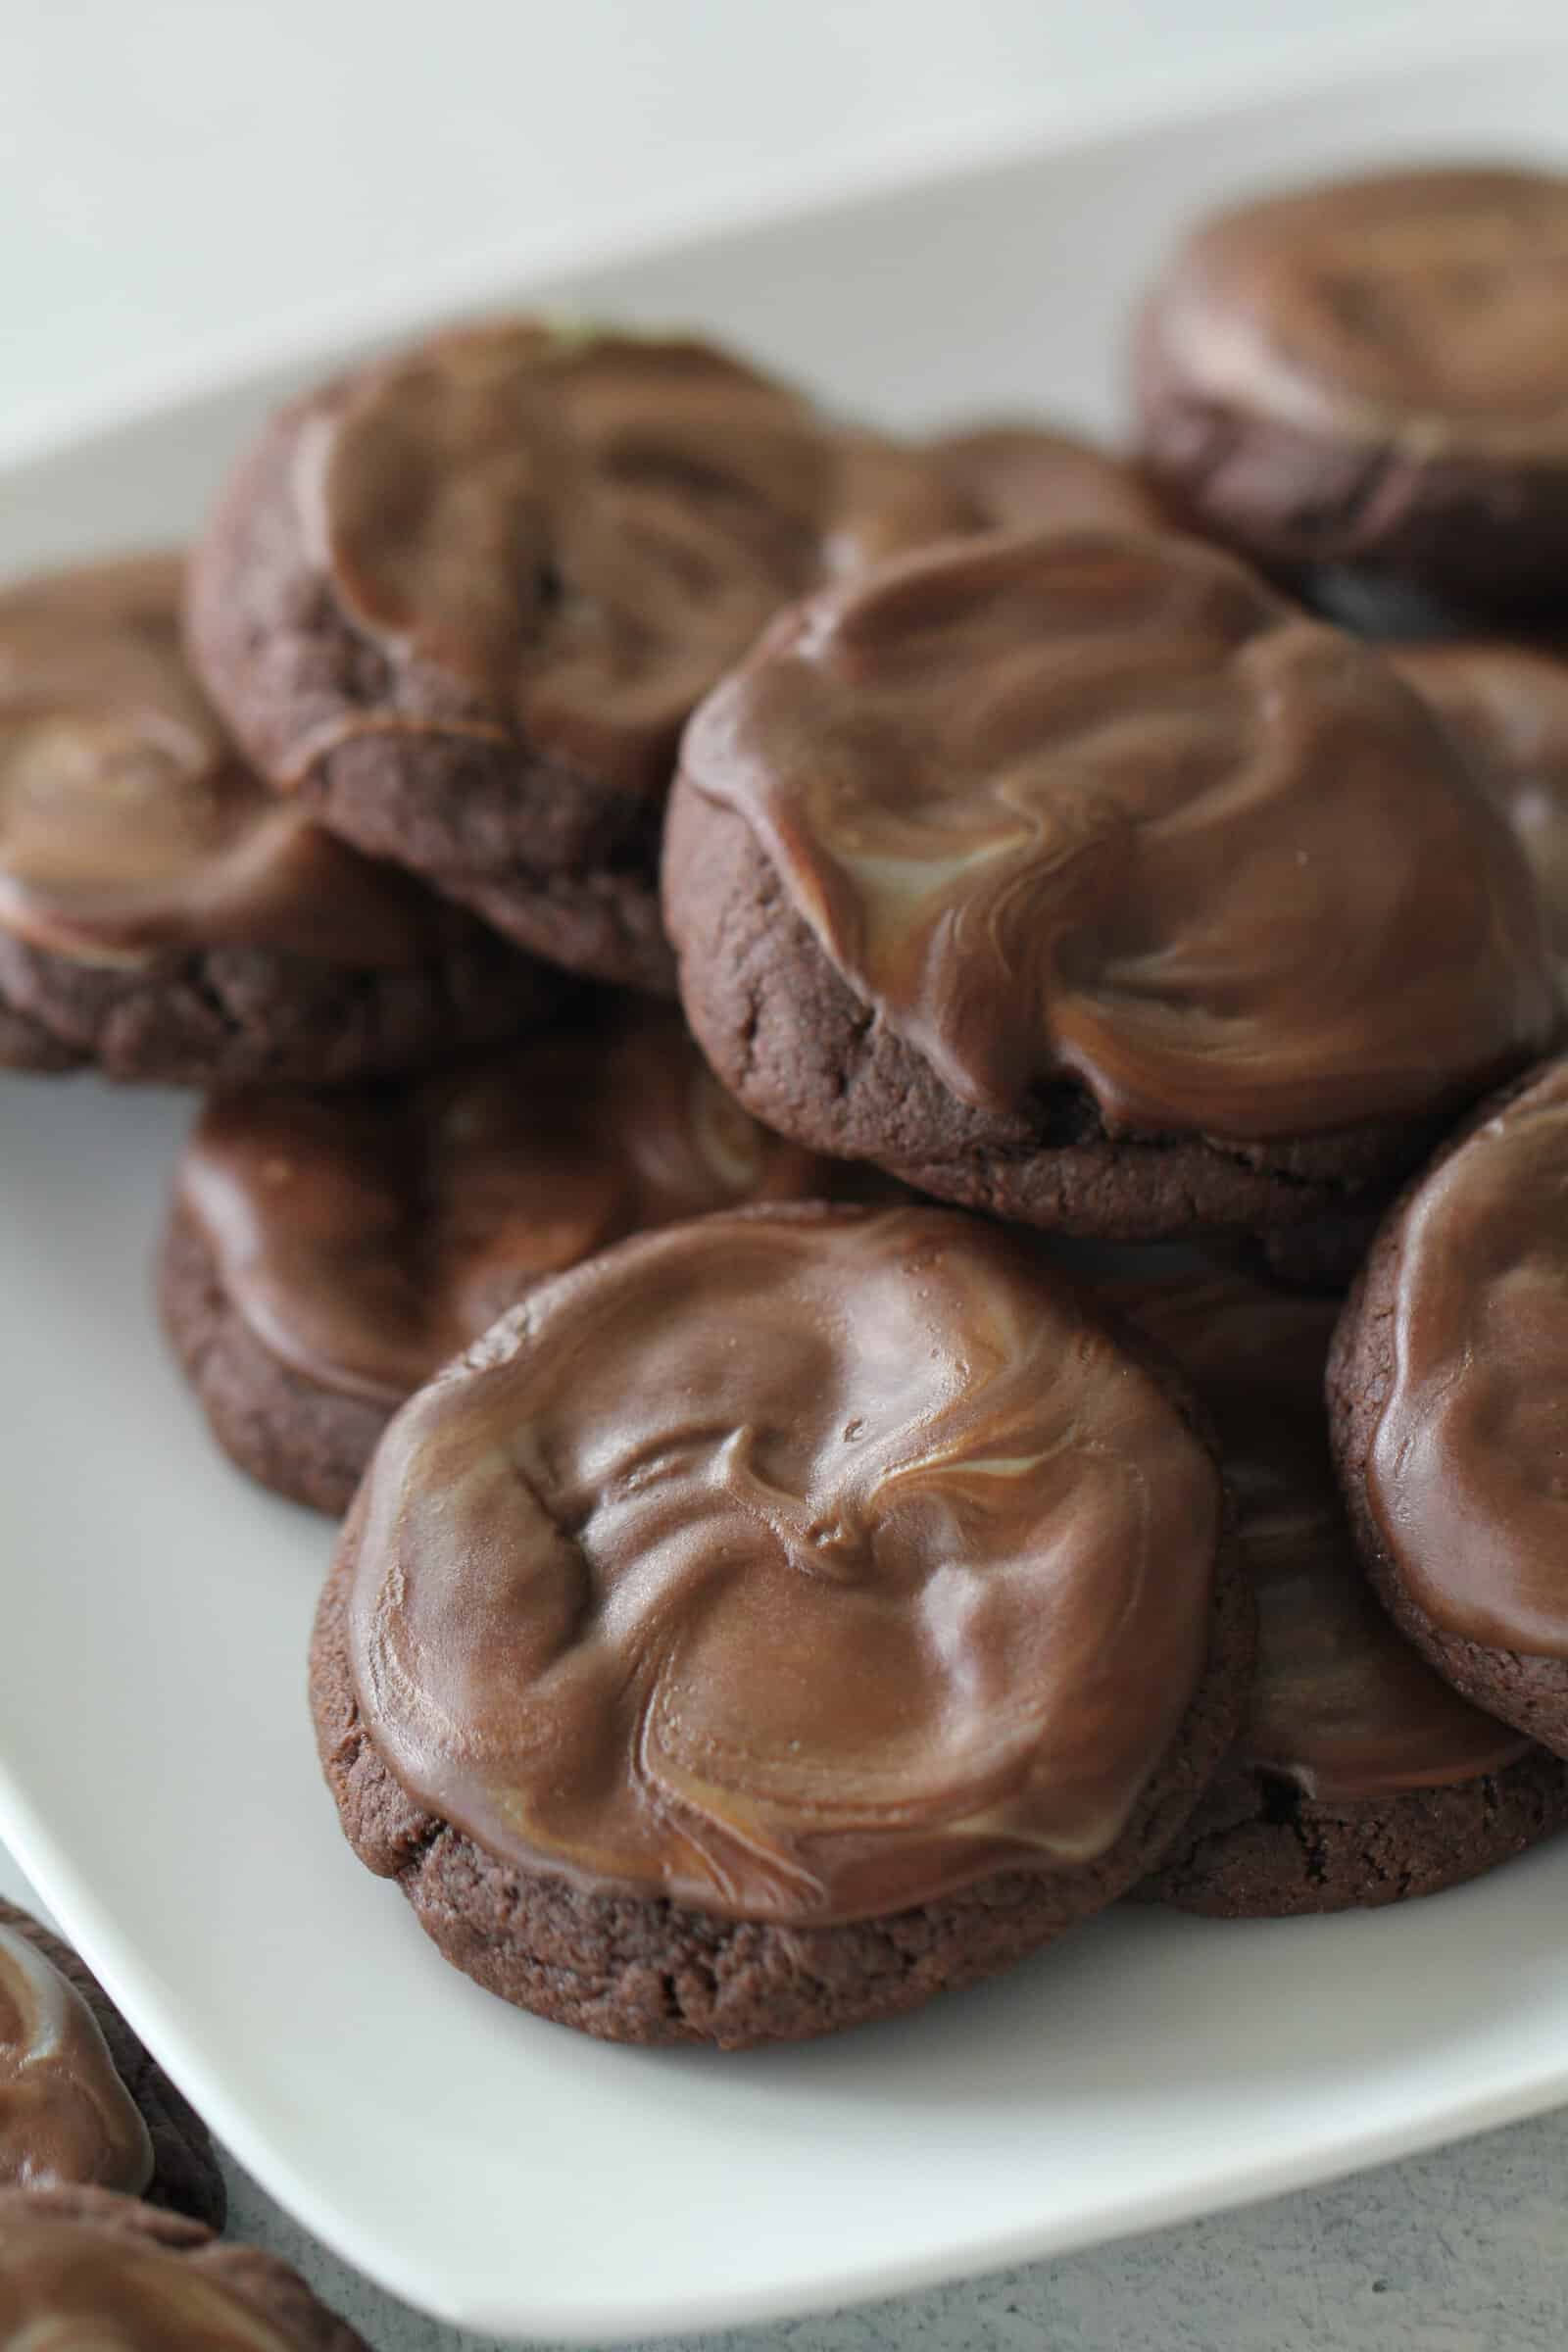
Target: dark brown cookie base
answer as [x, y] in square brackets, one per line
[274, 2292]
[1474, 536]
[644, 1970]
[564, 865]
[26, 1044]
[1323, 1256]
[186, 2178]
[305, 1441]
[601, 919]
[1531, 1692]
[788, 1037]
[241, 1016]
[1258, 1848]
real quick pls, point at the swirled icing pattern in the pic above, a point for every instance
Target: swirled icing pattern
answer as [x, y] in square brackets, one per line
[1342, 1705]
[66, 2117]
[567, 535]
[798, 1565]
[1508, 706]
[129, 827]
[368, 1237]
[1466, 1474]
[1104, 808]
[1428, 307]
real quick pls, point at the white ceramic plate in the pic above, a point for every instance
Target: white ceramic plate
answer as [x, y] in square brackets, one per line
[157, 1778]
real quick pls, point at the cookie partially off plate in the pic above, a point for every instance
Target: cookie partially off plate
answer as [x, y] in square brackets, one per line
[158, 1779]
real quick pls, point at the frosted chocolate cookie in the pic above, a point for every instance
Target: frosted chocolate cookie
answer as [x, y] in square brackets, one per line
[1082, 879]
[1360, 1777]
[1372, 375]
[459, 604]
[86, 2268]
[782, 1618]
[1447, 1390]
[162, 913]
[82, 2104]
[328, 1254]
[1031, 477]
[1507, 707]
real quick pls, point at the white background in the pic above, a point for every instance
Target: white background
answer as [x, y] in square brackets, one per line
[182, 177]
[183, 183]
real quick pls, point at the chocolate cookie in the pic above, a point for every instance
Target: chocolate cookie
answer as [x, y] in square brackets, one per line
[1025, 477]
[1373, 375]
[776, 1621]
[86, 2268]
[328, 1254]
[82, 2104]
[1324, 1256]
[1508, 704]
[162, 913]
[1445, 1389]
[1082, 879]
[1359, 1777]
[462, 603]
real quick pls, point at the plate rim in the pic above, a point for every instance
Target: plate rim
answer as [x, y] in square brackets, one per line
[321, 333]
[1219, 2188]
[313, 341]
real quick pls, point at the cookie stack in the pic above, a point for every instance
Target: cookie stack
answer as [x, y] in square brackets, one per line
[688, 915]
[111, 2196]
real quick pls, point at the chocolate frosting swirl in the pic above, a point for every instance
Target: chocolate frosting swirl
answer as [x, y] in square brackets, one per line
[368, 1238]
[1465, 1475]
[73, 2286]
[1026, 477]
[1107, 808]
[1426, 308]
[1508, 706]
[797, 1565]
[565, 535]
[131, 827]
[66, 2117]
[1343, 1705]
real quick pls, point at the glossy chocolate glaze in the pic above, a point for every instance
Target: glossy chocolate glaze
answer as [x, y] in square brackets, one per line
[367, 1238]
[129, 827]
[66, 2117]
[73, 2286]
[1508, 704]
[1425, 309]
[565, 536]
[1466, 1476]
[1104, 808]
[1343, 1705]
[799, 1565]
